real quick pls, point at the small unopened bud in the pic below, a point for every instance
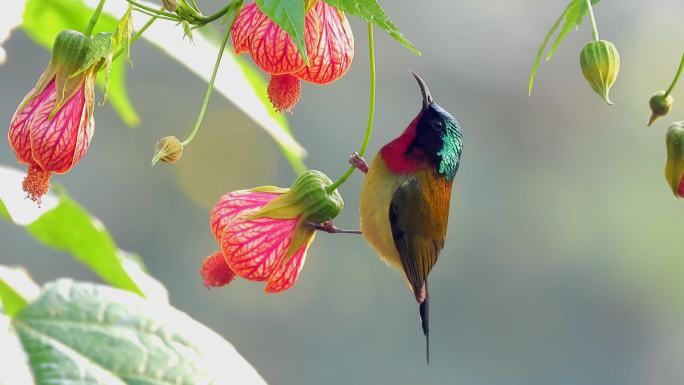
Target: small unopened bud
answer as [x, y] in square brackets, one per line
[660, 105]
[170, 5]
[674, 168]
[167, 149]
[600, 63]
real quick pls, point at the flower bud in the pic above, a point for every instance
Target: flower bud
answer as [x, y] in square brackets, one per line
[307, 198]
[674, 168]
[170, 5]
[167, 149]
[600, 63]
[660, 105]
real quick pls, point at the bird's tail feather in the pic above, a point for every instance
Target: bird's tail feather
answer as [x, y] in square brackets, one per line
[424, 310]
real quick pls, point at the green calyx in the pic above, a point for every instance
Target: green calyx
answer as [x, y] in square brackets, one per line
[660, 104]
[306, 198]
[600, 63]
[74, 57]
[674, 167]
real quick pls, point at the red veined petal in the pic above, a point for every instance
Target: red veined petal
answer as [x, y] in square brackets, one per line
[234, 203]
[275, 52]
[254, 248]
[248, 20]
[18, 136]
[287, 272]
[335, 49]
[681, 188]
[53, 140]
[86, 128]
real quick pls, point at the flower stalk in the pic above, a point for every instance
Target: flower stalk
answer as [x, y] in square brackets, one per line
[676, 78]
[371, 111]
[594, 28]
[207, 94]
[94, 18]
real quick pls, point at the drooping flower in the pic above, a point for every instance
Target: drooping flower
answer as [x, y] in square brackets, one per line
[264, 233]
[52, 127]
[674, 168]
[329, 47]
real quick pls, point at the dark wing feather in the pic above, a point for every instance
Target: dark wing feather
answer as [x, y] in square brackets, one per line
[418, 216]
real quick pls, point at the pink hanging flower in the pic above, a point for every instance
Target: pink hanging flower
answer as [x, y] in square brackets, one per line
[52, 127]
[264, 233]
[329, 46]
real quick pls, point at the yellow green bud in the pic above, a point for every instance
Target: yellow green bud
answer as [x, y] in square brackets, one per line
[307, 198]
[674, 168]
[660, 105]
[600, 63]
[167, 149]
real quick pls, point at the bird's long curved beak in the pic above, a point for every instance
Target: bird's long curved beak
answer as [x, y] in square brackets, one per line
[427, 97]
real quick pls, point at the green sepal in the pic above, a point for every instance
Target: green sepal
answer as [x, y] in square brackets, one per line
[187, 31]
[74, 57]
[307, 199]
[674, 167]
[188, 13]
[123, 33]
[303, 234]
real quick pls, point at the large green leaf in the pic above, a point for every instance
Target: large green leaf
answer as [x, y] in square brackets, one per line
[91, 334]
[371, 11]
[571, 17]
[289, 15]
[44, 19]
[63, 224]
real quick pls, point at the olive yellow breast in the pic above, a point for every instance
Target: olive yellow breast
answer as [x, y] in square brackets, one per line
[376, 196]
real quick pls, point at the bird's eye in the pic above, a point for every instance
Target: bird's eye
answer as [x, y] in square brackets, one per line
[437, 125]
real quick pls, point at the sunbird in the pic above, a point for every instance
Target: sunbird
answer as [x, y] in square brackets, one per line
[405, 196]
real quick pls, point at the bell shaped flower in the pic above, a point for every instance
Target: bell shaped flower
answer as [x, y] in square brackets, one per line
[52, 127]
[329, 46]
[264, 233]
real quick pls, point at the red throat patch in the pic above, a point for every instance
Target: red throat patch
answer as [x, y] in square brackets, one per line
[394, 152]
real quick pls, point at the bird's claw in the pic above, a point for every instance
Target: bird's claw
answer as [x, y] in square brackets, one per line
[357, 161]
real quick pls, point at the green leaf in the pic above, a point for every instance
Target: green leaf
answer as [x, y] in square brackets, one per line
[17, 289]
[64, 225]
[371, 11]
[44, 19]
[289, 15]
[573, 14]
[91, 334]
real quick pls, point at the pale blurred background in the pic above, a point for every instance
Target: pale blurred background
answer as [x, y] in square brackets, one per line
[564, 262]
